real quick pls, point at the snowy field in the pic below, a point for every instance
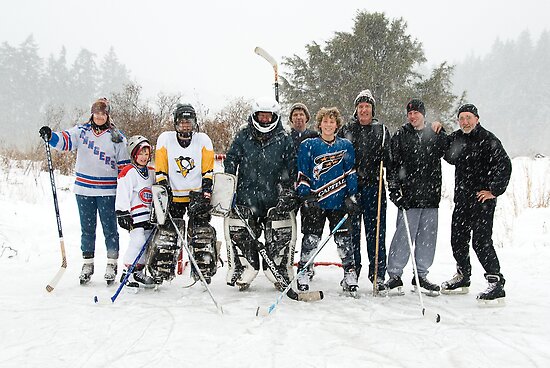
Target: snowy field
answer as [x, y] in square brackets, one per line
[177, 326]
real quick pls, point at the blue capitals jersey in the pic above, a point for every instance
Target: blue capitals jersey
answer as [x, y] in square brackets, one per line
[327, 170]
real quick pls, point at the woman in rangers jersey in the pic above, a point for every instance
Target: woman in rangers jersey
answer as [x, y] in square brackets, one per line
[328, 183]
[101, 152]
[133, 206]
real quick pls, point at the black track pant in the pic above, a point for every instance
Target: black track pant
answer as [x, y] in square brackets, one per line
[474, 220]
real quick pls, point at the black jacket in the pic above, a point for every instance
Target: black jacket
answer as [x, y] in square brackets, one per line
[416, 165]
[372, 144]
[299, 137]
[481, 163]
[261, 162]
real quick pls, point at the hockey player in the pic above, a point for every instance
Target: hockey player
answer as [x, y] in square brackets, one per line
[100, 153]
[299, 119]
[326, 176]
[184, 164]
[133, 207]
[414, 181]
[262, 156]
[482, 173]
[371, 141]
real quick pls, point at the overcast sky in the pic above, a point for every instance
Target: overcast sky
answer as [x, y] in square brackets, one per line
[204, 49]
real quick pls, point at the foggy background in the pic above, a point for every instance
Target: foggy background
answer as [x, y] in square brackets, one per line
[204, 51]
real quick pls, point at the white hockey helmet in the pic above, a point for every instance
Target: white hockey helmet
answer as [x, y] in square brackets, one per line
[135, 144]
[265, 104]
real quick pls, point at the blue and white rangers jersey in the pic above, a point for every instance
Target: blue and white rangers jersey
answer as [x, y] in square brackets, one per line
[133, 193]
[326, 169]
[98, 158]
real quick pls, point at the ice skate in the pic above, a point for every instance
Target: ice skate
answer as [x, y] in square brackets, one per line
[87, 271]
[426, 287]
[138, 279]
[302, 281]
[494, 295]
[459, 284]
[110, 271]
[394, 286]
[349, 283]
[381, 287]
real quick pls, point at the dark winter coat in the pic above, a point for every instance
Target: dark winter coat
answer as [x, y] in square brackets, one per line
[416, 165]
[299, 137]
[372, 144]
[261, 162]
[481, 163]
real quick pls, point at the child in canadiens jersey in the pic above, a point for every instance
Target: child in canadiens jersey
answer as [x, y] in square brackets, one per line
[327, 180]
[133, 207]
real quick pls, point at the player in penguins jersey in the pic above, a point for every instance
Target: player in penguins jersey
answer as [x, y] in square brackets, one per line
[133, 206]
[328, 183]
[184, 164]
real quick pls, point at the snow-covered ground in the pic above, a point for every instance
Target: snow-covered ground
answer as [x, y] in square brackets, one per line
[179, 327]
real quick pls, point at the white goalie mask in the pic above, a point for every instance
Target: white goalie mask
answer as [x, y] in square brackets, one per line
[268, 105]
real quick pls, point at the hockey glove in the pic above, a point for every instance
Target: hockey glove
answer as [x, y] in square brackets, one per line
[310, 202]
[397, 198]
[352, 205]
[199, 203]
[287, 201]
[165, 184]
[45, 133]
[125, 220]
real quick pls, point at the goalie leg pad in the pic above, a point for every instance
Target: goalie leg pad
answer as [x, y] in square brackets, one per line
[280, 236]
[202, 244]
[242, 255]
[163, 254]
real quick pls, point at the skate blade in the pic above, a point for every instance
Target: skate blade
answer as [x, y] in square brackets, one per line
[431, 293]
[485, 303]
[351, 293]
[457, 291]
[243, 287]
[398, 291]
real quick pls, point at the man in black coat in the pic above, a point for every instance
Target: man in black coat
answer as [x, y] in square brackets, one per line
[414, 181]
[482, 173]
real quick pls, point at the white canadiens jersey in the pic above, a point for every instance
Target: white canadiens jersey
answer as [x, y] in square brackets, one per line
[98, 158]
[133, 193]
[185, 168]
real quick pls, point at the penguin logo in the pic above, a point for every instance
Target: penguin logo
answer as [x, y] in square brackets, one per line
[185, 164]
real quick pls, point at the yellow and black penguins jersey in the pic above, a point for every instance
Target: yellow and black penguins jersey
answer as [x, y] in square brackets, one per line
[184, 168]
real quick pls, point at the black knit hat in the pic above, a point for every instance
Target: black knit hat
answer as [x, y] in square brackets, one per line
[468, 108]
[416, 105]
[365, 96]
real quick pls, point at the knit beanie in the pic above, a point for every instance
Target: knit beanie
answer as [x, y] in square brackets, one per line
[298, 106]
[416, 105]
[365, 96]
[468, 108]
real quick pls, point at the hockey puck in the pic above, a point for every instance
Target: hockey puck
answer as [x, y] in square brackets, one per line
[96, 300]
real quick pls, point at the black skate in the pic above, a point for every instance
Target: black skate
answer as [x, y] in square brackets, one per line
[394, 286]
[426, 287]
[302, 281]
[87, 271]
[495, 294]
[349, 283]
[459, 284]
[110, 271]
[380, 285]
[138, 279]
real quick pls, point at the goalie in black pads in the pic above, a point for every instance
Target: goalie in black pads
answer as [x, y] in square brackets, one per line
[184, 163]
[262, 157]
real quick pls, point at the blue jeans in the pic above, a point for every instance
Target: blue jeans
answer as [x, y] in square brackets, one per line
[88, 207]
[369, 208]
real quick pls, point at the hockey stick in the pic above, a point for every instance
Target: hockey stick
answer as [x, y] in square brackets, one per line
[435, 317]
[194, 263]
[267, 311]
[302, 297]
[273, 62]
[375, 278]
[57, 277]
[130, 269]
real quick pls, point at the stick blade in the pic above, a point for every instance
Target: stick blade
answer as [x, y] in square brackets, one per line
[258, 50]
[434, 317]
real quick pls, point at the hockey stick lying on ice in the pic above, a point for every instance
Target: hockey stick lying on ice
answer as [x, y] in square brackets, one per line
[63, 267]
[267, 311]
[308, 296]
[195, 265]
[273, 62]
[435, 317]
[130, 269]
